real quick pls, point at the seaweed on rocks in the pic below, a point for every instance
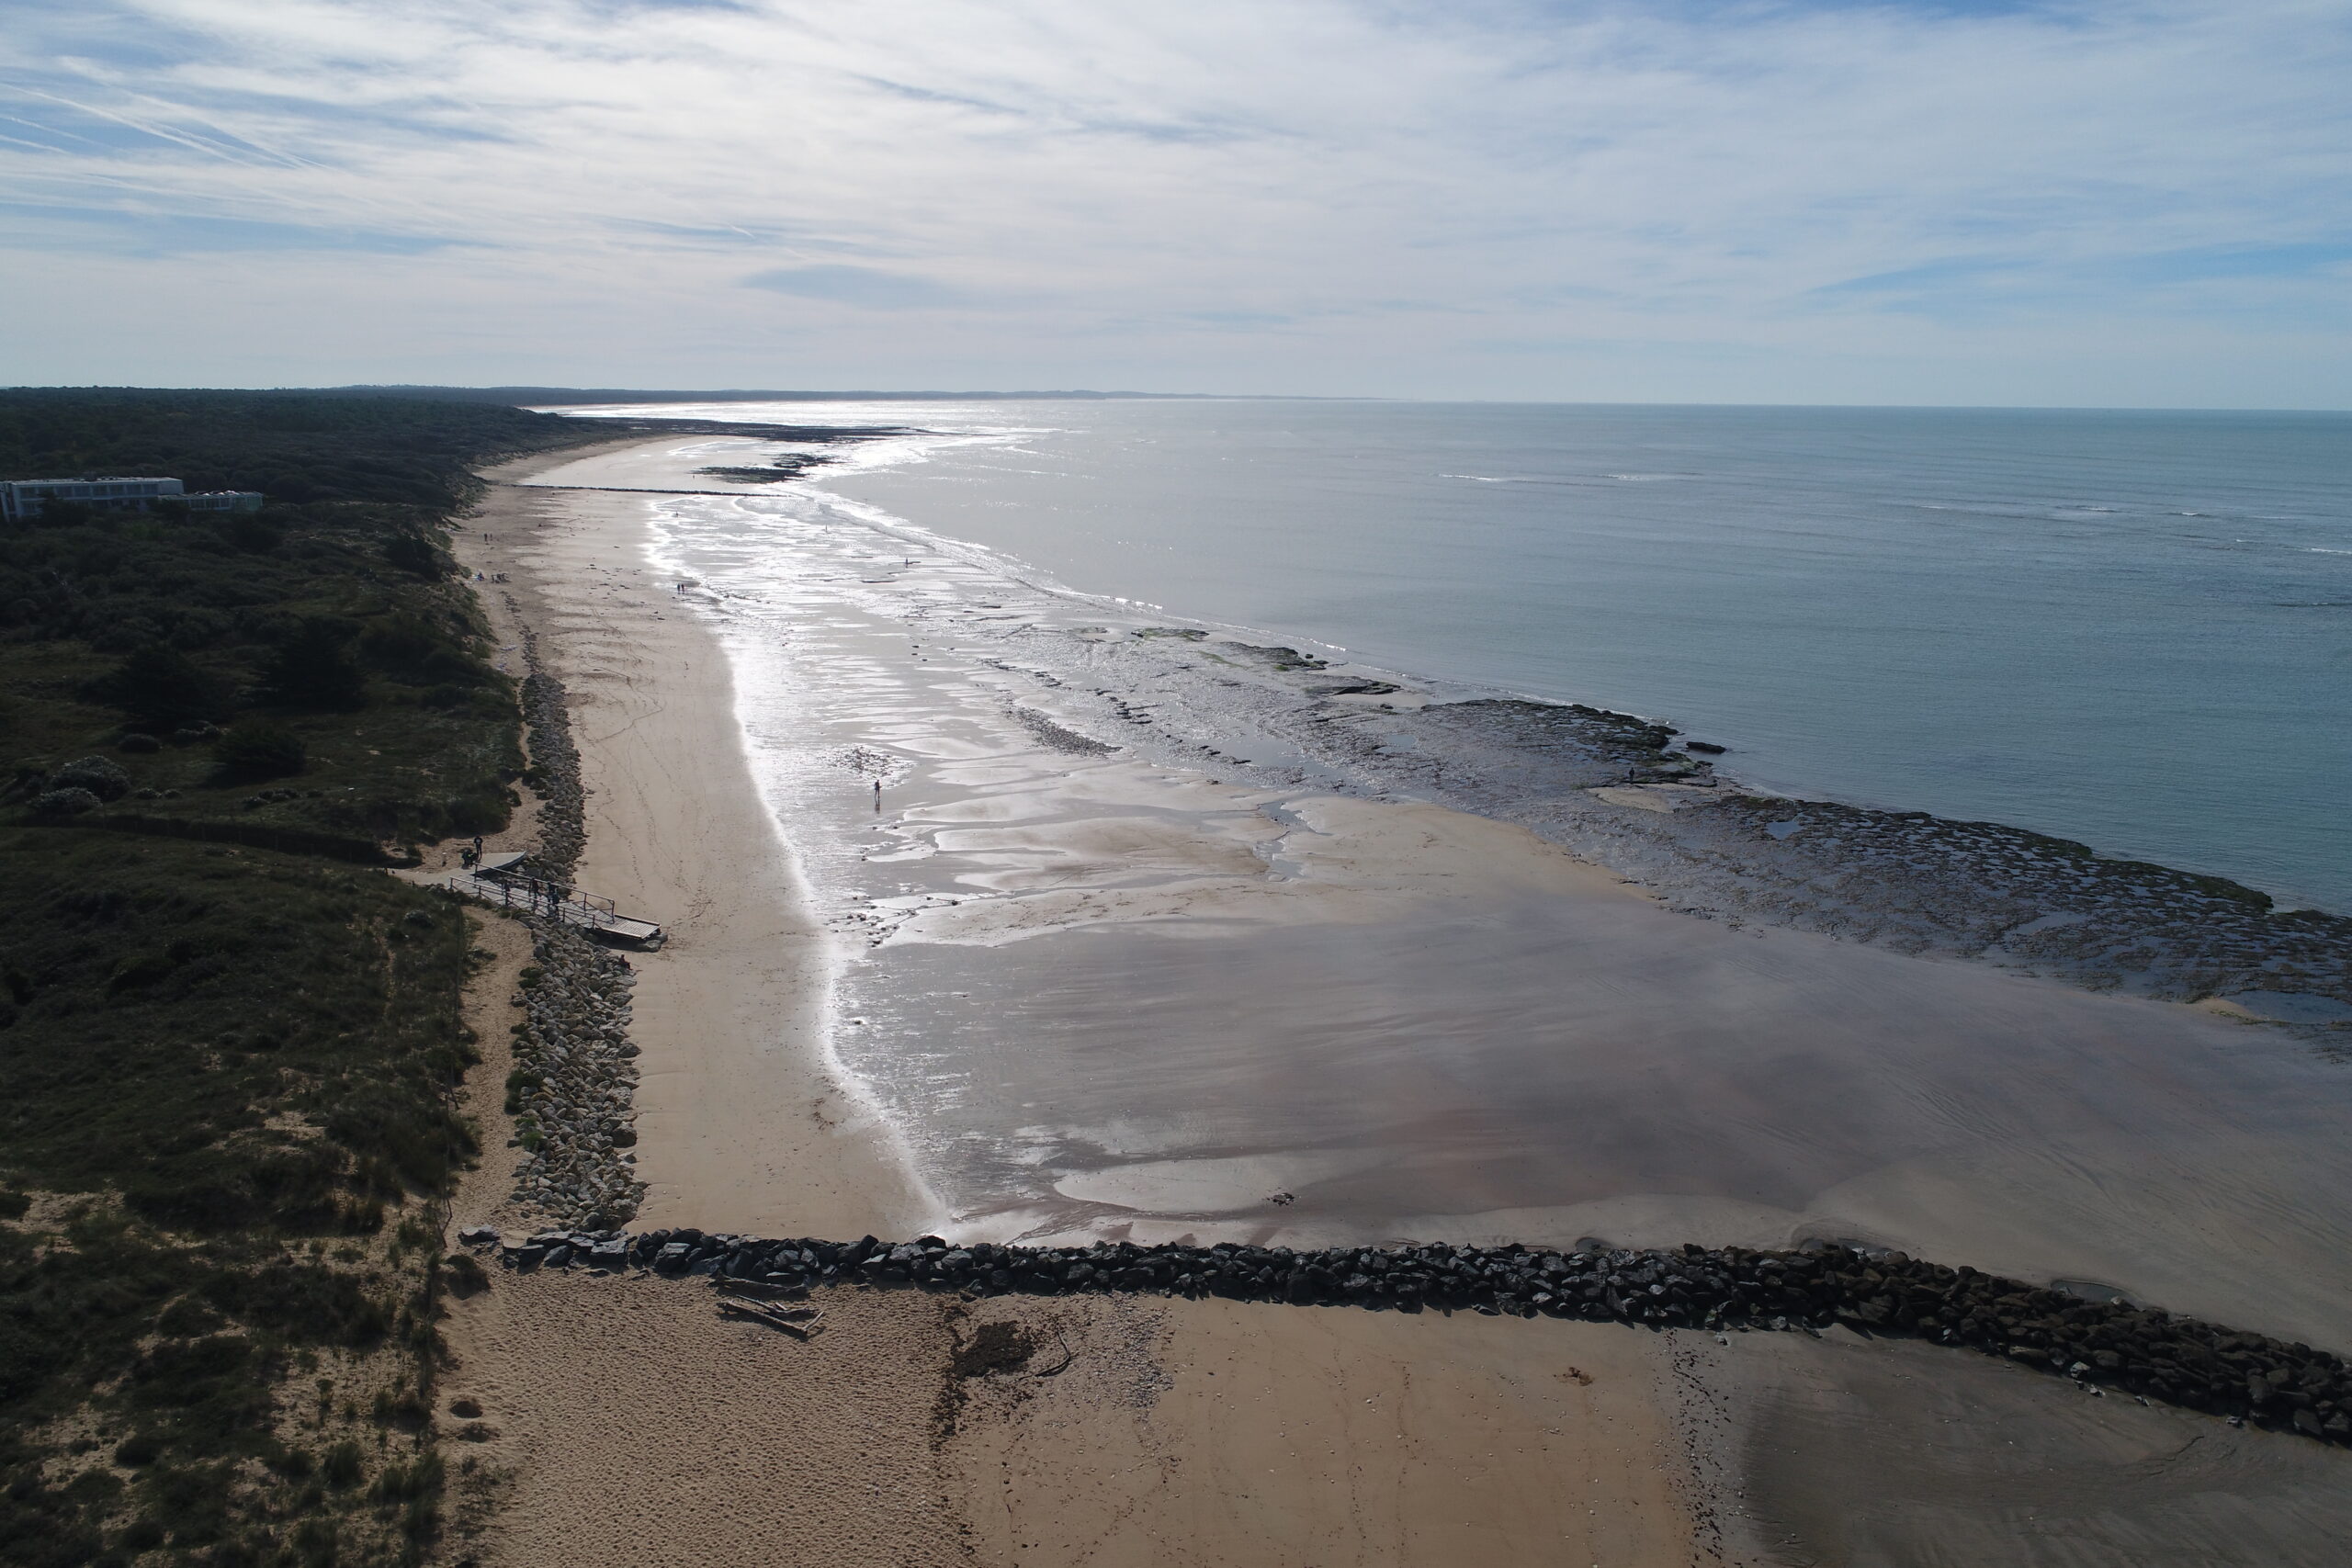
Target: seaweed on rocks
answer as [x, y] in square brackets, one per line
[2101, 1345]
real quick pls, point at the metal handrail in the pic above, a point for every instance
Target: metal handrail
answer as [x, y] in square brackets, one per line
[535, 895]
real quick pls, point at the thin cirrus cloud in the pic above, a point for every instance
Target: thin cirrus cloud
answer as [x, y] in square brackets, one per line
[862, 286]
[1856, 200]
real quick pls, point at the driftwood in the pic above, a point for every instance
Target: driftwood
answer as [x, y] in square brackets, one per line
[800, 1322]
[759, 1290]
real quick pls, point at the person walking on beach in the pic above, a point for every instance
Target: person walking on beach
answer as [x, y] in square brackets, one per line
[877, 795]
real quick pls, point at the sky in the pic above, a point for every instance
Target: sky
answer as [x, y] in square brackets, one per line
[2121, 203]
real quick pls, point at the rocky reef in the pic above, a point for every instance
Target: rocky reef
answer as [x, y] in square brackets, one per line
[1905, 880]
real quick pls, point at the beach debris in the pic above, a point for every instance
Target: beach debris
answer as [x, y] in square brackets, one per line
[800, 1322]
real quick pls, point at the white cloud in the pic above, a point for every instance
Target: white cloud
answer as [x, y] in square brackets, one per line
[1721, 202]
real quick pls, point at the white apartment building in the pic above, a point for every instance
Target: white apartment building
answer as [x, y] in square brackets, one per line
[24, 498]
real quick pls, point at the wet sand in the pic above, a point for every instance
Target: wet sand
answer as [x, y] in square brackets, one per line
[1897, 1454]
[625, 1422]
[1107, 985]
[1098, 992]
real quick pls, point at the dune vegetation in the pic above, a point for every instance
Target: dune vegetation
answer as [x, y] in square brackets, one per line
[228, 1042]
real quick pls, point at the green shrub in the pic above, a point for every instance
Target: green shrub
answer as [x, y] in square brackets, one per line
[421, 1477]
[138, 1449]
[234, 1052]
[252, 752]
[314, 668]
[160, 688]
[64, 801]
[142, 1534]
[414, 555]
[100, 776]
[466, 1276]
[518, 1082]
[342, 1465]
[249, 535]
[315, 1541]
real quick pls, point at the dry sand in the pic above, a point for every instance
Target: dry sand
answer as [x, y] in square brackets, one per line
[633, 1424]
[744, 1125]
[635, 1427]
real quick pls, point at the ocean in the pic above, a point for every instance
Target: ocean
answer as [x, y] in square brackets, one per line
[2133, 629]
[1170, 891]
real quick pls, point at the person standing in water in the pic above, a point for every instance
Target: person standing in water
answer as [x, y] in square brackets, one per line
[877, 795]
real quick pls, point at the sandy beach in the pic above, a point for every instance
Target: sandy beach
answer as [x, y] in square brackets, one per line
[744, 1125]
[1202, 986]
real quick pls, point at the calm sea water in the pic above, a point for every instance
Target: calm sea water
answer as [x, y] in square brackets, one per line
[2133, 629]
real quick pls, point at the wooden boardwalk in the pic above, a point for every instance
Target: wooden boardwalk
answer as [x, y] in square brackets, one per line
[509, 889]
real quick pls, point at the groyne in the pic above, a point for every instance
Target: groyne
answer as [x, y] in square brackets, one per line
[2108, 1348]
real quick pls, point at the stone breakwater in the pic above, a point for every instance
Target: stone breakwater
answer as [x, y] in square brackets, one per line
[2101, 1345]
[555, 766]
[573, 1080]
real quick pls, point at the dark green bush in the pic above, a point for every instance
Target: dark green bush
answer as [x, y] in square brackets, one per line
[242, 1056]
[342, 1464]
[250, 534]
[101, 777]
[306, 1303]
[314, 668]
[64, 801]
[466, 1276]
[414, 555]
[254, 751]
[142, 1534]
[163, 689]
[421, 1477]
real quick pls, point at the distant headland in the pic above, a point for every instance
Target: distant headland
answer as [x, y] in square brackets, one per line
[547, 396]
